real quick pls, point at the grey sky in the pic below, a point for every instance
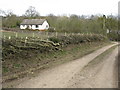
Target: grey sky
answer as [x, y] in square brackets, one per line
[61, 7]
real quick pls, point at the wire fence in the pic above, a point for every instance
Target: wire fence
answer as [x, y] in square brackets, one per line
[35, 34]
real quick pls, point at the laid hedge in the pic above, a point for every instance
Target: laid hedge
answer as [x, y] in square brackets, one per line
[76, 39]
[18, 47]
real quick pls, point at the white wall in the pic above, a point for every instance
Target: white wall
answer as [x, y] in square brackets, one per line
[45, 24]
[40, 27]
[23, 26]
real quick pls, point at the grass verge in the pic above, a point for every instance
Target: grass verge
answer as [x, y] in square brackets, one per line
[101, 57]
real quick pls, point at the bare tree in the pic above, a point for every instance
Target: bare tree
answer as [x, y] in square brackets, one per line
[1, 12]
[31, 12]
[7, 13]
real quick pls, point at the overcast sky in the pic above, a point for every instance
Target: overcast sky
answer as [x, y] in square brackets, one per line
[61, 7]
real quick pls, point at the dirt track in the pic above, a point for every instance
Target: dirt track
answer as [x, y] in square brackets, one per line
[69, 75]
[101, 75]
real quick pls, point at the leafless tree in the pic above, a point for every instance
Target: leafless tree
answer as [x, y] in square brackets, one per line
[7, 13]
[31, 12]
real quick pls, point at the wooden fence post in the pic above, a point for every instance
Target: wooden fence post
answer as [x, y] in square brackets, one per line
[56, 34]
[16, 35]
[9, 37]
[26, 37]
[4, 37]
[65, 34]
[41, 39]
[33, 34]
[25, 42]
[78, 33]
[72, 33]
[47, 33]
[48, 37]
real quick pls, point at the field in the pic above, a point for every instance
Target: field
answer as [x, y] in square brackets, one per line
[25, 52]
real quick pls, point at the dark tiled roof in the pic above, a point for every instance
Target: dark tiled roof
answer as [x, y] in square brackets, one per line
[33, 21]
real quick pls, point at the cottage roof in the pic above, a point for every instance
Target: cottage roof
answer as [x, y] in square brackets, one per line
[33, 21]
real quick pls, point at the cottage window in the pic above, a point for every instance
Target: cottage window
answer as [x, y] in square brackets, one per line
[37, 26]
[46, 26]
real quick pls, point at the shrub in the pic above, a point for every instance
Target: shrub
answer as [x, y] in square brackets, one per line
[54, 39]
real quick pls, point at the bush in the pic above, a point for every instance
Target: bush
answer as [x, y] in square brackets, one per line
[76, 39]
[51, 29]
[54, 39]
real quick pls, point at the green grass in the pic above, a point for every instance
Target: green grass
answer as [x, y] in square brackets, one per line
[101, 57]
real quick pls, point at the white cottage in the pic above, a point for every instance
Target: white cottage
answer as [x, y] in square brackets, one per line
[34, 24]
